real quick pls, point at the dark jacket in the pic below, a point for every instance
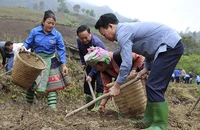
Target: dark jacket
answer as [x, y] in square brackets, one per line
[96, 42]
[5, 53]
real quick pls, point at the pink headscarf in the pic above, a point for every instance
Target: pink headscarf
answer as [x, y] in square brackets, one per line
[95, 55]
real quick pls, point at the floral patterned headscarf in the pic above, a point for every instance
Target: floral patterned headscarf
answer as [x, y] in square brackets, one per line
[95, 55]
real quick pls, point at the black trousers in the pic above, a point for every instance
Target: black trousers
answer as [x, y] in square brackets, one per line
[161, 72]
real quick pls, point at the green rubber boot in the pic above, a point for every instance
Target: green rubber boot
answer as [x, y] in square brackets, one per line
[160, 116]
[96, 108]
[29, 96]
[52, 99]
[89, 99]
[147, 120]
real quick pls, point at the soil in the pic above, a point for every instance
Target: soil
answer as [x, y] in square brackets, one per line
[15, 114]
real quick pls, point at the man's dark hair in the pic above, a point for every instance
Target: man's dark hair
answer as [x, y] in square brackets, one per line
[106, 19]
[8, 43]
[82, 28]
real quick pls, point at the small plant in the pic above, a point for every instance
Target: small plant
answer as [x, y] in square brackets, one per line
[75, 90]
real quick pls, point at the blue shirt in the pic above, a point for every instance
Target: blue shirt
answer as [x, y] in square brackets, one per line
[198, 78]
[96, 42]
[46, 43]
[144, 38]
[177, 73]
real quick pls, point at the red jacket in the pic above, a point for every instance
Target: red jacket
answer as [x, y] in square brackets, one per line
[113, 69]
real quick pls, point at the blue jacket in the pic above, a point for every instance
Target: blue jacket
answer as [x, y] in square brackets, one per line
[177, 73]
[47, 44]
[144, 38]
[198, 79]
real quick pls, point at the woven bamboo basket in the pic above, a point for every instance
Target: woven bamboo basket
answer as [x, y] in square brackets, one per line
[131, 100]
[27, 67]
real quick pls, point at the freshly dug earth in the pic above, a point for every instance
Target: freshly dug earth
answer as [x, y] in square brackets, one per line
[15, 114]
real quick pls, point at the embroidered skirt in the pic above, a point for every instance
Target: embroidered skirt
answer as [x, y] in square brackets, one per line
[51, 79]
[56, 79]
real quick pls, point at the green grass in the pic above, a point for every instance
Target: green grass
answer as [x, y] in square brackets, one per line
[19, 13]
[68, 19]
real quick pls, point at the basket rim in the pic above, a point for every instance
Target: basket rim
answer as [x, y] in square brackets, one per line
[30, 64]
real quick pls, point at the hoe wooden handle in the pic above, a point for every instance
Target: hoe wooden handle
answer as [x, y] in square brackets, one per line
[99, 98]
[193, 107]
[90, 87]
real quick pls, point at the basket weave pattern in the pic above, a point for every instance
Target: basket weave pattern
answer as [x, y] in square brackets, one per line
[27, 67]
[131, 100]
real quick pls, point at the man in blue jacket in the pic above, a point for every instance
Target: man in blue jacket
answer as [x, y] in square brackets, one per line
[162, 48]
[177, 75]
[85, 40]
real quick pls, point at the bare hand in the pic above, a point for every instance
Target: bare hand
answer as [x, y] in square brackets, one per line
[88, 79]
[22, 48]
[83, 67]
[65, 71]
[101, 110]
[115, 90]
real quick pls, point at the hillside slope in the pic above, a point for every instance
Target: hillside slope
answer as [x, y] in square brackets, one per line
[16, 24]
